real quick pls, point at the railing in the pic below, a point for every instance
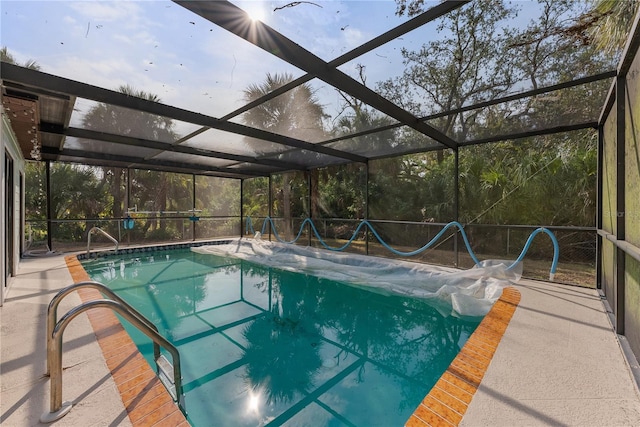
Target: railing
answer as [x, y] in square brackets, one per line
[577, 262]
[429, 244]
[104, 233]
[70, 235]
[55, 330]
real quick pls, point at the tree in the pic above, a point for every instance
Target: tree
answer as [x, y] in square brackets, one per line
[77, 193]
[6, 56]
[123, 121]
[296, 113]
[469, 65]
[605, 25]
[614, 23]
[539, 180]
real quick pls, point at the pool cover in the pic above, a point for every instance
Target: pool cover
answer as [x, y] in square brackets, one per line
[469, 292]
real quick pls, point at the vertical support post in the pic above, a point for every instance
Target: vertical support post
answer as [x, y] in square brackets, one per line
[128, 198]
[456, 203]
[193, 206]
[49, 206]
[22, 212]
[366, 207]
[128, 191]
[599, 186]
[270, 205]
[242, 223]
[620, 202]
[309, 195]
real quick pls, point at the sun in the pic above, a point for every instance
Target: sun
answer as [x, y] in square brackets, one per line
[255, 11]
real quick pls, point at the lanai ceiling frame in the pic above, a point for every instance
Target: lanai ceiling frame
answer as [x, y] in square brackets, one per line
[234, 20]
[63, 87]
[42, 81]
[295, 154]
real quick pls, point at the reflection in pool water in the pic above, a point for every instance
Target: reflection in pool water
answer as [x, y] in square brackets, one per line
[261, 346]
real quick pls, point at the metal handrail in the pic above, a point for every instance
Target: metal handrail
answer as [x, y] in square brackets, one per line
[104, 233]
[52, 311]
[58, 409]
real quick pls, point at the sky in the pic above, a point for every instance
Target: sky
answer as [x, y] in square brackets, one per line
[164, 49]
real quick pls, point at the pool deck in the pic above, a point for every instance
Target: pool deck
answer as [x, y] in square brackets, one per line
[558, 363]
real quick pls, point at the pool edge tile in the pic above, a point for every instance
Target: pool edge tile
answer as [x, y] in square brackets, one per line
[465, 373]
[102, 320]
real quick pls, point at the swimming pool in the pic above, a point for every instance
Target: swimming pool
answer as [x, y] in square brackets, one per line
[261, 346]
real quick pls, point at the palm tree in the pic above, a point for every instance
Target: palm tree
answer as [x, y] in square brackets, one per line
[123, 121]
[6, 56]
[615, 18]
[296, 113]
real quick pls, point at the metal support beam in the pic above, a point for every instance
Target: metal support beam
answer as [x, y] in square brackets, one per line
[49, 206]
[527, 134]
[270, 211]
[435, 12]
[620, 201]
[61, 85]
[310, 196]
[162, 146]
[55, 154]
[456, 202]
[235, 20]
[126, 208]
[193, 206]
[599, 200]
[526, 94]
[366, 208]
[242, 209]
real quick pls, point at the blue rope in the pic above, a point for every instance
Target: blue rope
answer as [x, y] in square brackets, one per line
[554, 264]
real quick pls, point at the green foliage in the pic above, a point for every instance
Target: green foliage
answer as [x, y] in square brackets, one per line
[545, 180]
[35, 191]
[217, 196]
[255, 202]
[290, 195]
[606, 25]
[77, 192]
[296, 113]
[412, 188]
[341, 191]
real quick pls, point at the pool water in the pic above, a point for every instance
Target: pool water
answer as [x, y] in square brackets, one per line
[265, 347]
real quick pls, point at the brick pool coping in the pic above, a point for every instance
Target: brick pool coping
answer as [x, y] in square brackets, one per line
[448, 400]
[148, 403]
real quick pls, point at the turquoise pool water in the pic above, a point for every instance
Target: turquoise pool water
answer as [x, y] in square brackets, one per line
[264, 347]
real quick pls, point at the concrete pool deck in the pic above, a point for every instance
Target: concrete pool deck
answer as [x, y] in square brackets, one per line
[558, 363]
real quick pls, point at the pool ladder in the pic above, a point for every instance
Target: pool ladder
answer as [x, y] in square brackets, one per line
[168, 373]
[104, 233]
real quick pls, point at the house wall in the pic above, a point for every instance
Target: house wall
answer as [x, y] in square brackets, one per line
[9, 147]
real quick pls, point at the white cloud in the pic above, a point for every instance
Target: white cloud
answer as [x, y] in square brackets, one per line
[123, 38]
[107, 72]
[107, 11]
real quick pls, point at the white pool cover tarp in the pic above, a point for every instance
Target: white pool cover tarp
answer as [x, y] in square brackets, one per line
[469, 292]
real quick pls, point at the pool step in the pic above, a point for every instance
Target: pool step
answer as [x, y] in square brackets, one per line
[165, 373]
